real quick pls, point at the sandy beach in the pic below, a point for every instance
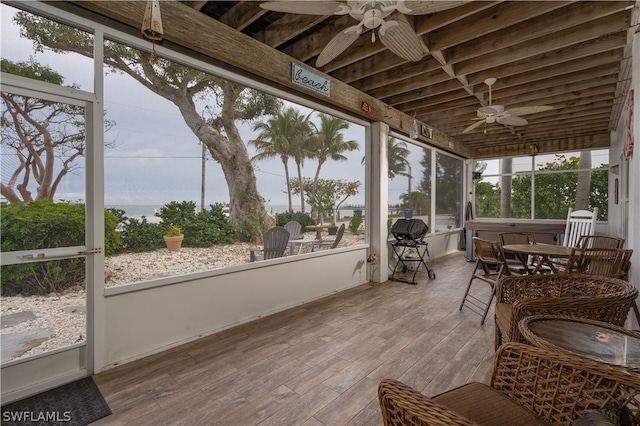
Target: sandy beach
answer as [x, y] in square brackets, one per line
[60, 318]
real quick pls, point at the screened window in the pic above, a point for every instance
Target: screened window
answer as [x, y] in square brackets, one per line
[544, 186]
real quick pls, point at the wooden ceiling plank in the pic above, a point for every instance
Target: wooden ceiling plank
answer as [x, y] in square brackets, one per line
[195, 4]
[427, 81]
[573, 37]
[407, 71]
[242, 15]
[609, 45]
[574, 15]
[483, 23]
[417, 89]
[442, 91]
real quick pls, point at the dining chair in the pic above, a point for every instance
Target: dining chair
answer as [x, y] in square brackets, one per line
[490, 265]
[519, 263]
[606, 262]
[600, 241]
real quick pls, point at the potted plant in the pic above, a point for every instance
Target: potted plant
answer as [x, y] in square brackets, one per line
[332, 229]
[173, 238]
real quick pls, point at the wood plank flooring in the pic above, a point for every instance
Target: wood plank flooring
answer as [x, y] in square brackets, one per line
[317, 364]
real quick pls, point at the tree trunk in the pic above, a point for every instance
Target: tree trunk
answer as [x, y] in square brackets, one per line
[286, 175]
[505, 188]
[583, 189]
[302, 209]
[246, 205]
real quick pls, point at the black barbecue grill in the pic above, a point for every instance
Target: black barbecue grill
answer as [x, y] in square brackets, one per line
[409, 229]
[410, 249]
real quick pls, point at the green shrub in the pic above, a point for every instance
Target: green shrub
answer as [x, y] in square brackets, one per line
[42, 225]
[208, 228]
[354, 224]
[112, 238]
[303, 219]
[139, 235]
[177, 213]
[248, 233]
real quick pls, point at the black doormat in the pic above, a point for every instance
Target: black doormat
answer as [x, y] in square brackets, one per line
[77, 403]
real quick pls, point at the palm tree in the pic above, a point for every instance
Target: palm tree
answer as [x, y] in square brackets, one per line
[397, 153]
[275, 139]
[328, 142]
[300, 144]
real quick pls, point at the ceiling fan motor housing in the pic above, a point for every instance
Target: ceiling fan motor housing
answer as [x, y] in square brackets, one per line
[371, 13]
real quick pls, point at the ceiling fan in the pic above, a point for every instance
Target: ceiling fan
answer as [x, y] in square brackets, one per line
[497, 114]
[396, 35]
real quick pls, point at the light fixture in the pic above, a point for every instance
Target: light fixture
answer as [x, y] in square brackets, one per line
[533, 149]
[615, 169]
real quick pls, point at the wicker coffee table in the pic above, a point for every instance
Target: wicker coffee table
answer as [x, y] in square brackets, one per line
[592, 339]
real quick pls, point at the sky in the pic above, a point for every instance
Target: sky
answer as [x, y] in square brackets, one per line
[151, 140]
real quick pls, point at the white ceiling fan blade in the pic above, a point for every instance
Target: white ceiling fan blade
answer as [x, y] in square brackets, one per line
[473, 126]
[338, 44]
[512, 120]
[529, 110]
[491, 110]
[426, 7]
[307, 7]
[401, 39]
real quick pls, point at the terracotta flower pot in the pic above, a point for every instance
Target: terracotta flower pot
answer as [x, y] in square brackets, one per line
[173, 243]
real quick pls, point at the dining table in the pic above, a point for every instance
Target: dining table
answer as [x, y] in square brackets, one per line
[543, 252]
[596, 340]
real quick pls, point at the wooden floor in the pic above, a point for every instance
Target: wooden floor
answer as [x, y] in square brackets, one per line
[317, 364]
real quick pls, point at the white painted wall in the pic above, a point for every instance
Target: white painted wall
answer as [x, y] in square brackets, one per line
[624, 217]
[150, 320]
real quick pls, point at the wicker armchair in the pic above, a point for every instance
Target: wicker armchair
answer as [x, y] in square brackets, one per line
[529, 386]
[575, 295]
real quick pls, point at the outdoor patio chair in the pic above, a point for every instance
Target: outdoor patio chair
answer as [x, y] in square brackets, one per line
[575, 295]
[329, 244]
[294, 228]
[529, 386]
[579, 223]
[489, 266]
[275, 242]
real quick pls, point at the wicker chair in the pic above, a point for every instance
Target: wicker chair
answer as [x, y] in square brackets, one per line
[529, 386]
[602, 298]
